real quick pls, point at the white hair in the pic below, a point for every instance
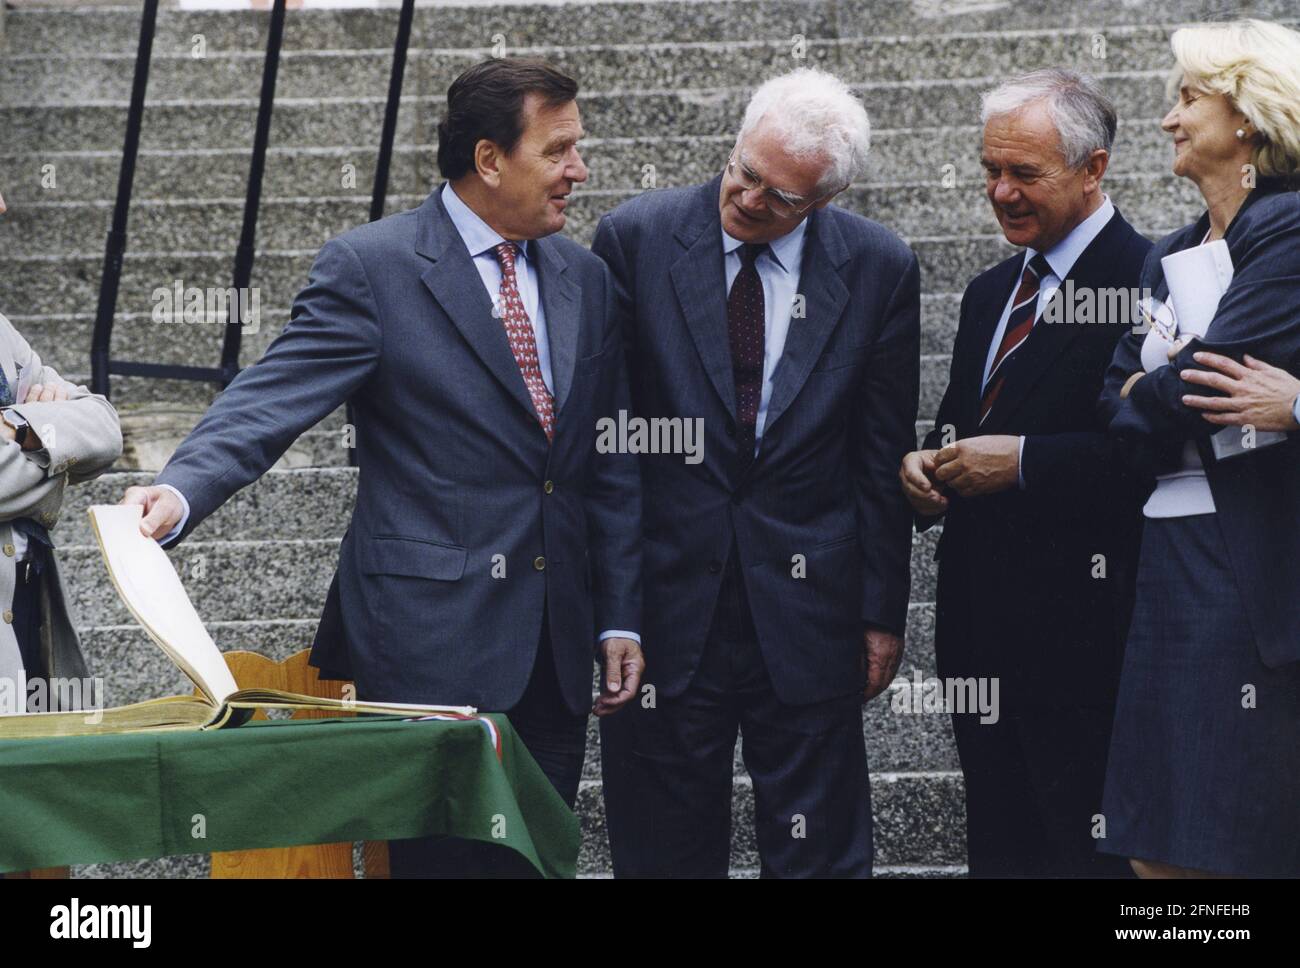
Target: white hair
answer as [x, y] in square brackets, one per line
[816, 116]
[1082, 113]
[1256, 65]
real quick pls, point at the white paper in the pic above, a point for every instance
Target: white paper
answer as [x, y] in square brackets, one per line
[151, 589]
[1197, 279]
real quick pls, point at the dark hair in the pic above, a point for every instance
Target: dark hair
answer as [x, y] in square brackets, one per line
[487, 101]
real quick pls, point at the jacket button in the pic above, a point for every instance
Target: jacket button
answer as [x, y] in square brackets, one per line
[548, 487]
[539, 563]
[8, 617]
[715, 566]
[9, 550]
[731, 428]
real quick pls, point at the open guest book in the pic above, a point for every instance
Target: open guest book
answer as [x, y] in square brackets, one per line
[148, 584]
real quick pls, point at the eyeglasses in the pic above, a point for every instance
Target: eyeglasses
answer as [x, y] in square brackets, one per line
[779, 203]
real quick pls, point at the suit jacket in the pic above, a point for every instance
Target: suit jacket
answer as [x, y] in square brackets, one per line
[817, 518]
[1256, 495]
[1017, 597]
[82, 440]
[468, 528]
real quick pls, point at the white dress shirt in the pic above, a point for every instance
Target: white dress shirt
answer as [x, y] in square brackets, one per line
[481, 241]
[778, 269]
[1061, 258]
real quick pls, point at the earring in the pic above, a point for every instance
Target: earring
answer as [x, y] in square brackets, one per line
[1241, 133]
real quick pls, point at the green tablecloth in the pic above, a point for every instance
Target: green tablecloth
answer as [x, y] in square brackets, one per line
[94, 799]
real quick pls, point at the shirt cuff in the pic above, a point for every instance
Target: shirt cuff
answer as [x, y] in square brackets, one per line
[1295, 408]
[620, 634]
[1020, 465]
[185, 516]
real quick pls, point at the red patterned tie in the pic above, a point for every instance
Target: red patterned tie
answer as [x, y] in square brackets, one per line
[1019, 323]
[519, 330]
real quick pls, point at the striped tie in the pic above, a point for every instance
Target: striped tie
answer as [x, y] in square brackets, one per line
[1019, 323]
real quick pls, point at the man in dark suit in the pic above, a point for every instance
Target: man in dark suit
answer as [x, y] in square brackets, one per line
[1041, 516]
[776, 566]
[490, 542]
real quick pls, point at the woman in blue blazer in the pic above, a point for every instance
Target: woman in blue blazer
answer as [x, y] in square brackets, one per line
[1204, 768]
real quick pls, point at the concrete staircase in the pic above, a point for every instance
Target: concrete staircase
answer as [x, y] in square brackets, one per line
[664, 85]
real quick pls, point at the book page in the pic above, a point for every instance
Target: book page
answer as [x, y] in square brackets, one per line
[151, 589]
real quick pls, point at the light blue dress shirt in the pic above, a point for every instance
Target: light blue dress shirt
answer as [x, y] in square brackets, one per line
[778, 269]
[481, 241]
[1061, 257]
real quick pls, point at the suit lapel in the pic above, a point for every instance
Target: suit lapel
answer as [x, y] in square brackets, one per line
[560, 306]
[454, 282]
[825, 297]
[1047, 341]
[700, 281]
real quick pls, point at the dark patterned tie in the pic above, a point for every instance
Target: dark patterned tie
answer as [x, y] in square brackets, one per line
[1019, 323]
[745, 331]
[523, 343]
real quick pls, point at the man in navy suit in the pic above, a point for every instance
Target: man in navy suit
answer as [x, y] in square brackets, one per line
[777, 566]
[1041, 516]
[490, 542]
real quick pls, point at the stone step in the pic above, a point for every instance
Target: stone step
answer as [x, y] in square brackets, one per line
[898, 156]
[353, 119]
[244, 580]
[223, 72]
[919, 820]
[69, 283]
[302, 504]
[929, 209]
[116, 30]
[321, 446]
[64, 343]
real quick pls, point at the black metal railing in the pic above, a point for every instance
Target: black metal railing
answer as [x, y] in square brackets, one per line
[102, 363]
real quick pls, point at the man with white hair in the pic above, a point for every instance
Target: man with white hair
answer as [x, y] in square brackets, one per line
[776, 569]
[1041, 515]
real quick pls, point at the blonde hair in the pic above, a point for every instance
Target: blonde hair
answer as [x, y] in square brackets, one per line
[1256, 65]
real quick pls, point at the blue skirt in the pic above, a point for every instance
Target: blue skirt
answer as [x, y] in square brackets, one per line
[1204, 766]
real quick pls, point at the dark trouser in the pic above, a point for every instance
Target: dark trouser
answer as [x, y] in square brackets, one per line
[668, 769]
[27, 617]
[556, 739]
[1033, 789]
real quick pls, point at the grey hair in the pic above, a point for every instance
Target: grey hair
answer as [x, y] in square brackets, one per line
[816, 116]
[1084, 116]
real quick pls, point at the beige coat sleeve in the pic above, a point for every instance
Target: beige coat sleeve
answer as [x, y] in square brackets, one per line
[81, 437]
